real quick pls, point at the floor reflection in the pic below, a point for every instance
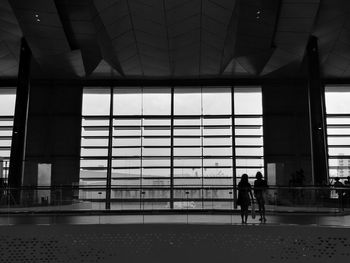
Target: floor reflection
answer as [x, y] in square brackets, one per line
[285, 219]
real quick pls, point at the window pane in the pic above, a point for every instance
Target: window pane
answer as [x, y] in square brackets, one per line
[187, 172]
[337, 99]
[218, 172]
[156, 101]
[96, 101]
[152, 172]
[334, 151]
[222, 162]
[7, 101]
[222, 151]
[187, 101]
[247, 100]
[184, 151]
[249, 162]
[127, 101]
[127, 151]
[216, 101]
[339, 140]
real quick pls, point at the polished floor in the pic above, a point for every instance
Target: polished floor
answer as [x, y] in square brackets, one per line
[302, 219]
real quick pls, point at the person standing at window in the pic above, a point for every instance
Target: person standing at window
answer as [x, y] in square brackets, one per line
[244, 197]
[347, 184]
[339, 185]
[260, 186]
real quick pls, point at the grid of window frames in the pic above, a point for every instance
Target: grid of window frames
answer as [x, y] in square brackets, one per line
[94, 141]
[165, 139]
[7, 111]
[338, 131]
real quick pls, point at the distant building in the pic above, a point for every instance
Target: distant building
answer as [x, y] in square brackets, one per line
[343, 169]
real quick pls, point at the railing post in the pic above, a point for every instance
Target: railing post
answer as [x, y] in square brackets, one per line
[172, 150]
[234, 175]
[110, 153]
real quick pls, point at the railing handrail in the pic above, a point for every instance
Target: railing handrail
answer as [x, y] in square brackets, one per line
[166, 187]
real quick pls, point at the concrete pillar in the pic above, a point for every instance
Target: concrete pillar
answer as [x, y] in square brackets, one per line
[286, 130]
[20, 121]
[316, 115]
[53, 137]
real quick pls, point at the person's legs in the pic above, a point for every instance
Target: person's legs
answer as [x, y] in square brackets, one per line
[261, 208]
[263, 212]
[246, 215]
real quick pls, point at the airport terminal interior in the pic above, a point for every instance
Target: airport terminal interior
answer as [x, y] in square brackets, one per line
[174, 131]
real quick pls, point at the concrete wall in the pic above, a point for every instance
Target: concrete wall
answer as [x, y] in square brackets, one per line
[53, 134]
[286, 130]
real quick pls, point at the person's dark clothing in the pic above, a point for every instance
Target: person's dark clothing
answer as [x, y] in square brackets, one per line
[340, 193]
[347, 191]
[260, 186]
[243, 194]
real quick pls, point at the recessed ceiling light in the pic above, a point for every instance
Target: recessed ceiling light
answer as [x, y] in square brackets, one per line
[38, 20]
[36, 15]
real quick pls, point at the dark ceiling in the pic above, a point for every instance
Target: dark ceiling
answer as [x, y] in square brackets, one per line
[173, 38]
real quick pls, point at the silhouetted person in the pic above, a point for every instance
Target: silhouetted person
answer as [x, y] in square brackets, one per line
[244, 197]
[2, 188]
[299, 182]
[292, 185]
[339, 191]
[260, 186]
[347, 184]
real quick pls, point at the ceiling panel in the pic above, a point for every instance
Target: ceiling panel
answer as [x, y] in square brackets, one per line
[10, 38]
[255, 32]
[300, 24]
[43, 29]
[333, 37]
[174, 38]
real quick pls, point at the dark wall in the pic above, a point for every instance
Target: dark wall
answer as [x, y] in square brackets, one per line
[286, 130]
[53, 133]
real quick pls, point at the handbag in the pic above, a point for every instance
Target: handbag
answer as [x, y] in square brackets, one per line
[253, 210]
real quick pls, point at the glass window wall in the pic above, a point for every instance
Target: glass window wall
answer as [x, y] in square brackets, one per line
[338, 131]
[165, 139]
[7, 112]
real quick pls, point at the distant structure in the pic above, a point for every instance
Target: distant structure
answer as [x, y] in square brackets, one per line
[343, 169]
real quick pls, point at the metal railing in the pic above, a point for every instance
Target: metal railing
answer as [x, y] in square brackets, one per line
[164, 198]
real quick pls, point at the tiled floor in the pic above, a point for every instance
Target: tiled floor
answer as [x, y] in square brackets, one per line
[212, 243]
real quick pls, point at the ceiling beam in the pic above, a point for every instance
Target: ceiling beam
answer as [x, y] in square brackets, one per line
[250, 36]
[294, 26]
[107, 49]
[78, 25]
[43, 29]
